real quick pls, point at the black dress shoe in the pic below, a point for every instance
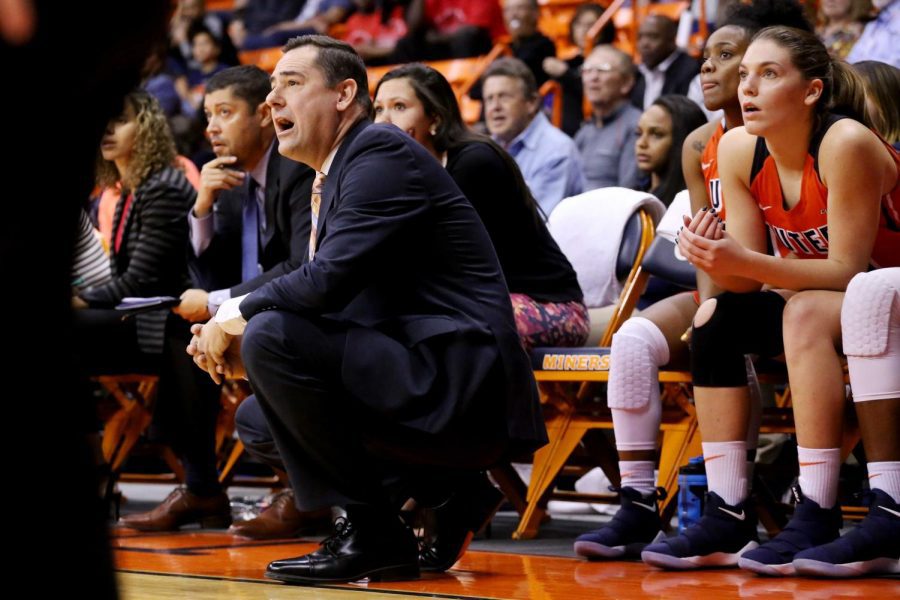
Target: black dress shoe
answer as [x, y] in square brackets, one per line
[359, 548]
[450, 526]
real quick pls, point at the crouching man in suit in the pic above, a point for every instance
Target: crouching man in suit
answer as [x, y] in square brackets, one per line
[388, 367]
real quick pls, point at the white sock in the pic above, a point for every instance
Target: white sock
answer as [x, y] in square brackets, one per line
[819, 472]
[638, 474]
[884, 476]
[726, 470]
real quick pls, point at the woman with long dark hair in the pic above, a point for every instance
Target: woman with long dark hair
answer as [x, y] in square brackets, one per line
[661, 132]
[544, 290]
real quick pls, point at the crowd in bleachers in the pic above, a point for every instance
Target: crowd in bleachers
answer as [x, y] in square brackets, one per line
[194, 201]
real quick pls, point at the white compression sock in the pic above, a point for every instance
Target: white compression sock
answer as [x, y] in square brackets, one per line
[884, 476]
[819, 472]
[726, 469]
[638, 474]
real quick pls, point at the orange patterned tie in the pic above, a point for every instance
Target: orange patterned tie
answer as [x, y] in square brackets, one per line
[314, 203]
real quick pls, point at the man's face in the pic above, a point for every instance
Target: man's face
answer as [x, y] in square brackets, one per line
[603, 79]
[304, 108]
[234, 127]
[507, 111]
[520, 17]
[656, 41]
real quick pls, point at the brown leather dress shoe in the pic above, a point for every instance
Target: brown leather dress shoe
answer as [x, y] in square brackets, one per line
[281, 519]
[183, 507]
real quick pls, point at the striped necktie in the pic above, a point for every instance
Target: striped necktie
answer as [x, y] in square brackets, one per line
[315, 200]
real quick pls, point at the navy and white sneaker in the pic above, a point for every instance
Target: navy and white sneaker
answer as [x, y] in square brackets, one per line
[718, 539]
[810, 526]
[871, 548]
[634, 526]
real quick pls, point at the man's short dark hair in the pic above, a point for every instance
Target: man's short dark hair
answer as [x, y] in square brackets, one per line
[338, 61]
[516, 69]
[248, 82]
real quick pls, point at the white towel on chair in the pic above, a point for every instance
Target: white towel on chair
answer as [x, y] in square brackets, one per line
[589, 227]
[671, 222]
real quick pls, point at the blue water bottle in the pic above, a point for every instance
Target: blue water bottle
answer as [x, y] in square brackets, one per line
[691, 491]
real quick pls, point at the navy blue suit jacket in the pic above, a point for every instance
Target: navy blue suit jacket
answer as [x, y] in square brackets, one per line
[404, 263]
[285, 243]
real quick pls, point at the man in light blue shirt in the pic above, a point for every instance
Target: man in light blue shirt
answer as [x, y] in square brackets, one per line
[548, 158]
[879, 40]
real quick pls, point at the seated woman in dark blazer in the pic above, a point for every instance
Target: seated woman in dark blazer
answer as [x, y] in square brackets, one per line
[543, 287]
[148, 257]
[149, 239]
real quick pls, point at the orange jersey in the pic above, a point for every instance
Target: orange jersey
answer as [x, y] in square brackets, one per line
[710, 167]
[803, 229]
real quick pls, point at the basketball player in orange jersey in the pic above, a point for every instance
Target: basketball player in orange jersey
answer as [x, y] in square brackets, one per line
[826, 190]
[645, 343]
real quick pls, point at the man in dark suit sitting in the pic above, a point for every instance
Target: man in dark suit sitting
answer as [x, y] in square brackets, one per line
[252, 204]
[664, 69]
[388, 367]
[251, 221]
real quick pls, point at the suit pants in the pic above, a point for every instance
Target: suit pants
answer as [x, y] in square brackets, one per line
[337, 450]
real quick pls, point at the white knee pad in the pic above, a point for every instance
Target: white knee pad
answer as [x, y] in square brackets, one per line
[870, 324]
[639, 348]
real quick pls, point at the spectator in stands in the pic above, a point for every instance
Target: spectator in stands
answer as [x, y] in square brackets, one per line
[879, 38]
[148, 258]
[546, 299]
[661, 132]
[527, 43]
[840, 23]
[189, 15]
[249, 29]
[205, 62]
[547, 157]
[664, 69]
[317, 16]
[441, 29]
[606, 142]
[374, 28]
[568, 72]
[882, 92]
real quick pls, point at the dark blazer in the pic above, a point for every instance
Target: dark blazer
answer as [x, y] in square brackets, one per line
[678, 79]
[151, 260]
[285, 243]
[404, 263]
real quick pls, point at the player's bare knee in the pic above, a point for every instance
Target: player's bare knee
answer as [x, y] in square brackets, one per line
[705, 312]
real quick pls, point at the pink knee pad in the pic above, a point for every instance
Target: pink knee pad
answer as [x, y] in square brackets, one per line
[870, 322]
[638, 350]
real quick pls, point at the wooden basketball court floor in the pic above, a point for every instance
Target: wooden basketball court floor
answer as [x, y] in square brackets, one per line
[205, 565]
